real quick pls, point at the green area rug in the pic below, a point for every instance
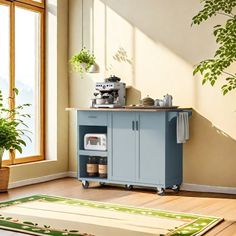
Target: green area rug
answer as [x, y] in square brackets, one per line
[59, 216]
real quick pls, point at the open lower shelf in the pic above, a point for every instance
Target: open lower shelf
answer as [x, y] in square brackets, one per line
[93, 153]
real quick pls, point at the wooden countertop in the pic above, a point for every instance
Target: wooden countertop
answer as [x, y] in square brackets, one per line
[127, 109]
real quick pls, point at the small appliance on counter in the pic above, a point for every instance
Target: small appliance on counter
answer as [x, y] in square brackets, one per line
[111, 93]
[95, 142]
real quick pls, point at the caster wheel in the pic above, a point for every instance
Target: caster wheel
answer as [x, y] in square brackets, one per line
[128, 187]
[161, 191]
[175, 188]
[102, 184]
[85, 184]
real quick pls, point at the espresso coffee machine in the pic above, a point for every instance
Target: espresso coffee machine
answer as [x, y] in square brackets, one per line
[111, 93]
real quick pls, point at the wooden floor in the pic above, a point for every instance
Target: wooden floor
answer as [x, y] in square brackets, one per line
[221, 205]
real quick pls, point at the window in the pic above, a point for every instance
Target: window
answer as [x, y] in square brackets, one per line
[22, 58]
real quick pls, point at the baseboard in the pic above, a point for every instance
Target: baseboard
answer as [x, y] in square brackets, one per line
[72, 174]
[207, 188]
[37, 180]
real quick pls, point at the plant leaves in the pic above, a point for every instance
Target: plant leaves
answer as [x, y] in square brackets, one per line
[225, 35]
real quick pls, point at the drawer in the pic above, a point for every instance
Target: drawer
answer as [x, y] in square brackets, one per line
[93, 118]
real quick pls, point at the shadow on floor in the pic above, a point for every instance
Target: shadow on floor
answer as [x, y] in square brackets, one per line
[169, 192]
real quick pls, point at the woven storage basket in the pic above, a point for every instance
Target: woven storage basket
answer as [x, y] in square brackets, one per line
[147, 101]
[4, 179]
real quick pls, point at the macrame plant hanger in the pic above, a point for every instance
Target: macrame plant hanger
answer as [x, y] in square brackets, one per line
[94, 68]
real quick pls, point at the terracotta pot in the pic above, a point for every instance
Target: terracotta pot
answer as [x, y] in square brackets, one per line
[1, 155]
[4, 179]
[4, 174]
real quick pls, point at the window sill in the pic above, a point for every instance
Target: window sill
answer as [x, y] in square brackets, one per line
[31, 163]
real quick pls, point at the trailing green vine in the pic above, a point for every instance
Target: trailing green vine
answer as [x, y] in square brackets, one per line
[225, 34]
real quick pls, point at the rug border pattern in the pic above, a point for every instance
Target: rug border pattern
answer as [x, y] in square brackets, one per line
[199, 226]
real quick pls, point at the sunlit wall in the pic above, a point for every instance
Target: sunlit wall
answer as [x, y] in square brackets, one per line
[151, 45]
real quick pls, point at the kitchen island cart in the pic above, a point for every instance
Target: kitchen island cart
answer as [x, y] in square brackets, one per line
[142, 149]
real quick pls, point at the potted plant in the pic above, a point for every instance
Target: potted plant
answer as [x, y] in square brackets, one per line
[83, 61]
[12, 130]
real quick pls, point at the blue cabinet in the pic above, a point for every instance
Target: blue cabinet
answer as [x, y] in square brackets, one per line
[123, 146]
[142, 148]
[151, 152]
[138, 147]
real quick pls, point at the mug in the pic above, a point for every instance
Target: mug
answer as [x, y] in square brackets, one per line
[162, 103]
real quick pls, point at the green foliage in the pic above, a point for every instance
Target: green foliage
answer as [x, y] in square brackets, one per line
[12, 127]
[225, 35]
[82, 61]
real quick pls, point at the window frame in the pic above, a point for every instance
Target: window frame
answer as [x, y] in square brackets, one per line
[39, 8]
[33, 3]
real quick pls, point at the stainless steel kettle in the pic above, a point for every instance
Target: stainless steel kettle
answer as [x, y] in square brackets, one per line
[168, 100]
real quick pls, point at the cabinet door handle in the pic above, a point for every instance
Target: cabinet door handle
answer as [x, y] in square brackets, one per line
[133, 125]
[137, 125]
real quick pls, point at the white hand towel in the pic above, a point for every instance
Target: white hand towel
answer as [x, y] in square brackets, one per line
[182, 127]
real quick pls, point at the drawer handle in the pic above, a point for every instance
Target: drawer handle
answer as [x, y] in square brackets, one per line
[133, 125]
[92, 117]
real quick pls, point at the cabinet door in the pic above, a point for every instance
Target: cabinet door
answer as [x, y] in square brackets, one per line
[123, 146]
[151, 168]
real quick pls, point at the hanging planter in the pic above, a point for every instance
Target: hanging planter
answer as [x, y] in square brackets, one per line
[83, 62]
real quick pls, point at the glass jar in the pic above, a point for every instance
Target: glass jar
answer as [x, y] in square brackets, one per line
[92, 167]
[102, 167]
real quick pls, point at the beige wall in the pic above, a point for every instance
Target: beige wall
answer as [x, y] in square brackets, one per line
[161, 50]
[57, 99]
